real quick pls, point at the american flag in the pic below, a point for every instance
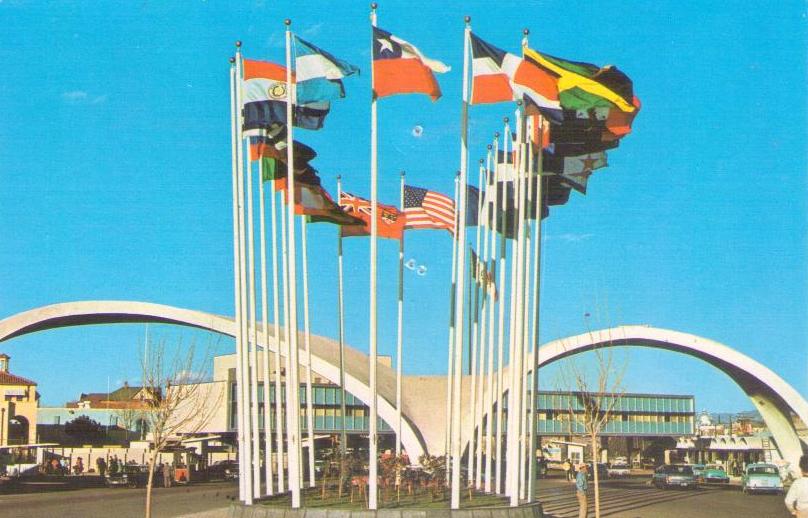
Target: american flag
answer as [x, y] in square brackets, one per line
[428, 209]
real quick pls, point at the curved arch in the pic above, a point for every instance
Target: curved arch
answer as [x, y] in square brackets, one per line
[775, 399]
[325, 353]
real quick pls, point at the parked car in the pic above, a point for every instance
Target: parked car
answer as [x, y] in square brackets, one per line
[762, 478]
[675, 475]
[618, 469]
[714, 474]
[603, 471]
[698, 471]
[129, 475]
[223, 470]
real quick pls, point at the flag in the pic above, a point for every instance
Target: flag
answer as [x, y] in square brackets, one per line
[584, 86]
[400, 68]
[267, 147]
[554, 192]
[318, 74]
[278, 170]
[472, 206]
[574, 171]
[390, 222]
[482, 276]
[264, 93]
[499, 76]
[426, 209]
[315, 202]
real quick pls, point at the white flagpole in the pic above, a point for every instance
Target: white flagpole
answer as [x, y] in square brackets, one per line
[374, 210]
[514, 403]
[400, 333]
[461, 272]
[307, 337]
[276, 336]
[488, 253]
[235, 78]
[483, 413]
[292, 375]
[502, 226]
[343, 439]
[253, 351]
[476, 352]
[265, 326]
[450, 368]
[536, 298]
[527, 165]
[243, 382]
[284, 395]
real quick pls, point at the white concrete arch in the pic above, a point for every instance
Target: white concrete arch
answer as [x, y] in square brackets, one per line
[325, 352]
[774, 398]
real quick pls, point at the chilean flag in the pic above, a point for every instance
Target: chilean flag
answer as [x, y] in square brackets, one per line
[400, 68]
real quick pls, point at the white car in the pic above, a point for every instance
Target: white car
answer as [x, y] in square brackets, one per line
[619, 470]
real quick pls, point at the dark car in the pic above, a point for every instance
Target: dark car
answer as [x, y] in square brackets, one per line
[223, 470]
[603, 471]
[675, 475]
[130, 475]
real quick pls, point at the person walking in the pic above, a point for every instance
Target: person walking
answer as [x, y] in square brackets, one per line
[797, 496]
[567, 466]
[581, 488]
[101, 464]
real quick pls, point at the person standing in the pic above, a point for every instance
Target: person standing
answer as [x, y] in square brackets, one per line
[797, 496]
[166, 475]
[568, 469]
[101, 464]
[581, 488]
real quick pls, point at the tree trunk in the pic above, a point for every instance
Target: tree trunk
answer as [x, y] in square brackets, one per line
[595, 476]
[152, 462]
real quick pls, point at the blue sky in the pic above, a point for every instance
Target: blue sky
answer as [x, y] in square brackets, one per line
[115, 176]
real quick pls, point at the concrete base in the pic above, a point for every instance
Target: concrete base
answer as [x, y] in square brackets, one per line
[239, 510]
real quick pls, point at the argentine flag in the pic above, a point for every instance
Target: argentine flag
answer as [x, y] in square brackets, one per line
[318, 74]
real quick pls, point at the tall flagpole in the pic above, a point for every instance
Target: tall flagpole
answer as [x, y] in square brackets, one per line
[400, 333]
[243, 382]
[292, 384]
[534, 339]
[452, 302]
[265, 326]
[488, 253]
[277, 338]
[234, 122]
[502, 226]
[307, 338]
[527, 164]
[343, 438]
[478, 338]
[374, 230]
[253, 350]
[461, 272]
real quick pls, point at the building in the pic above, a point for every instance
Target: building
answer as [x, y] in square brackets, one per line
[124, 397]
[18, 409]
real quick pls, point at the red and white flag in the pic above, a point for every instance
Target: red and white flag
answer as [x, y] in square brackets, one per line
[400, 68]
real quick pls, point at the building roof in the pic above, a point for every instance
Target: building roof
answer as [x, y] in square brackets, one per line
[6, 378]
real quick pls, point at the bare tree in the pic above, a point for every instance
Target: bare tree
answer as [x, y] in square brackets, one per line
[127, 417]
[179, 401]
[592, 395]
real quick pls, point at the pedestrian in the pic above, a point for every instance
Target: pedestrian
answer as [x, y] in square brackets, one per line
[78, 468]
[101, 464]
[166, 475]
[56, 468]
[581, 488]
[113, 465]
[568, 469]
[797, 496]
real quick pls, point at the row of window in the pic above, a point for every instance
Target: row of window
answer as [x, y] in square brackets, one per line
[626, 403]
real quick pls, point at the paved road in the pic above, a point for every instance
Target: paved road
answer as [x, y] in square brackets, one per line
[633, 498]
[118, 502]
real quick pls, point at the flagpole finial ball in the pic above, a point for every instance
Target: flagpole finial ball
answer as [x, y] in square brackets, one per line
[525, 31]
[339, 177]
[490, 146]
[287, 22]
[467, 19]
[374, 6]
[238, 44]
[481, 161]
[519, 102]
[402, 174]
[506, 119]
[232, 59]
[496, 135]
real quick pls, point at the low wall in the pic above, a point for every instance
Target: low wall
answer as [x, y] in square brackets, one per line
[239, 510]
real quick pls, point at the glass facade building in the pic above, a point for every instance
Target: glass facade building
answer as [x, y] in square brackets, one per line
[558, 412]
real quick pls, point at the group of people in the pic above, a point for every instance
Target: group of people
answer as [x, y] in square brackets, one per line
[113, 467]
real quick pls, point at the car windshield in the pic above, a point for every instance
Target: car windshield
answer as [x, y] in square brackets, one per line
[763, 470]
[715, 468]
[680, 470]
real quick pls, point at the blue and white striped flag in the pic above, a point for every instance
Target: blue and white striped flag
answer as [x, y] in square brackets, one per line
[318, 74]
